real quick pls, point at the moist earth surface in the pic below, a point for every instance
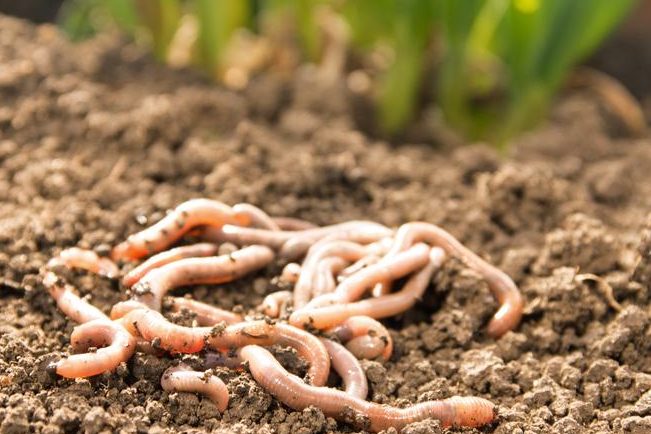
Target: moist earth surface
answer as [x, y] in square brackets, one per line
[97, 141]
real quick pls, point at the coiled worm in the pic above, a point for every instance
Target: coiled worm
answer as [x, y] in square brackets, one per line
[329, 315]
[275, 303]
[182, 378]
[343, 249]
[501, 285]
[151, 289]
[152, 325]
[349, 369]
[117, 347]
[365, 337]
[293, 392]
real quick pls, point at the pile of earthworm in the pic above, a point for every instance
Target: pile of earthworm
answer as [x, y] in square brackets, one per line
[345, 277]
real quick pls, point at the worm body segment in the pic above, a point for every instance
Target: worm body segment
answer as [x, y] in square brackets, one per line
[183, 379]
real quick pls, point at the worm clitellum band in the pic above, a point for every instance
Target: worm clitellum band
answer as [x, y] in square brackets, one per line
[345, 277]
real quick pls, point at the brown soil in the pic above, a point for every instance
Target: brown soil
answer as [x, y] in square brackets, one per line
[97, 141]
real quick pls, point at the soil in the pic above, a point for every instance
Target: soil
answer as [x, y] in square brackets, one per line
[98, 141]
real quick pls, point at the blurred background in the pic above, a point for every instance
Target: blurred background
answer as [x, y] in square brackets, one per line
[490, 67]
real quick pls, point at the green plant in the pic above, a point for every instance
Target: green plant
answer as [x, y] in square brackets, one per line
[496, 63]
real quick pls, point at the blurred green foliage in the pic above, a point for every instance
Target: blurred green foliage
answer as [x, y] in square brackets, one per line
[493, 66]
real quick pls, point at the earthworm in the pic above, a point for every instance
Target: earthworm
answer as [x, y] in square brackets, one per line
[343, 249]
[361, 232]
[193, 271]
[387, 269]
[276, 240]
[75, 257]
[168, 256]
[118, 346]
[207, 315]
[183, 218]
[324, 276]
[293, 392]
[358, 265]
[71, 304]
[291, 272]
[501, 285]
[274, 303]
[293, 224]
[251, 215]
[365, 337]
[152, 325]
[349, 369]
[182, 378]
[322, 316]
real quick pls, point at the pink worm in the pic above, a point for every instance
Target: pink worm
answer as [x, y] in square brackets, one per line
[166, 257]
[75, 257]
[324, 276]
[388, 269]
[321, 316]
[349, 369]
[293, 392]
[343, 249]
[344, 363]
[243, 236]
[207, 315]
[274, 303]
[502, 286]
[291, 272]
[250, 215]
[183, 218]
[293, 224]
[182, 378]
[361, 232]
[70, 304]
[118, 346]
[365, 337]
[151, 289]
[152, 325]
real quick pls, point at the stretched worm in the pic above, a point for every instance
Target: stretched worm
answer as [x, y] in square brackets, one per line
[361, 232]
[291, 272]
[169, 256]
[274, 303]
[151, 289]
[293, 392]
[244, 236]
[358, 265]
[349, 369]
[118, 346]
[182, 378]
[152, 325]
[251, 215]
[501, 285]
[321, 315]
[324, 277]
[293, 224]
[343, 249]
[365, 337]
[68, 302]
[183, 218]
[207, 315]
[388, 269]
[75, 257]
